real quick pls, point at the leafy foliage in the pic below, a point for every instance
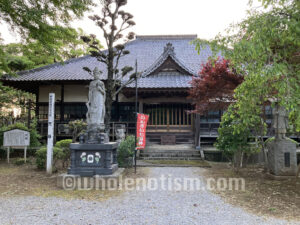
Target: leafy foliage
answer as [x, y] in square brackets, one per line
[113, 21]
[126, 151]
[41, 157]
[64, 145]
[33, 54]
[42, 21]
[266, 48]
[213, 88]
[234, 137]
[46, 38]
[77, 127]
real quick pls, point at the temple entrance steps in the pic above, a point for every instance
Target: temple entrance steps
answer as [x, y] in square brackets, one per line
[170, 152]
[180, 137]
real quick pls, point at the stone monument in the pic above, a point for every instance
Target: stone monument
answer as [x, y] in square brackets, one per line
[94, 154]
[282, 154]
[120, 133]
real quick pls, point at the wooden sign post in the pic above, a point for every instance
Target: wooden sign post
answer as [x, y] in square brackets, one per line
[16, 138]
[50, 132]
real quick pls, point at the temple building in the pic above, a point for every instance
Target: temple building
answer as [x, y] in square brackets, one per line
[167, 64]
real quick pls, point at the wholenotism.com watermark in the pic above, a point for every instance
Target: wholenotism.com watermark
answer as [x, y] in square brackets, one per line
[162, 183]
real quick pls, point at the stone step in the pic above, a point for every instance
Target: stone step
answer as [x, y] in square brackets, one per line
[171, 158]
[156, 154]
[170, 133]
[178, 143]
[183, 151]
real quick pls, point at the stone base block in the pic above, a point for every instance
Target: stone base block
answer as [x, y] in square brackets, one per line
[97, 182]
[282, 158]
[90, 171]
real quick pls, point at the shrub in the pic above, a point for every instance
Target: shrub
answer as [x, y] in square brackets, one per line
[41, 157]
[64, 145]
[34, 136]
[126, 151]
[21, 161]
[77, 127]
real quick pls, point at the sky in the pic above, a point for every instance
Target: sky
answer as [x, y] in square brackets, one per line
[206, 18]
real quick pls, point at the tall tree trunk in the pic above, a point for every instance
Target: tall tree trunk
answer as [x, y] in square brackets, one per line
[237, 160]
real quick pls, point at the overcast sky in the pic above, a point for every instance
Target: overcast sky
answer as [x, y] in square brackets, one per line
[206, 18]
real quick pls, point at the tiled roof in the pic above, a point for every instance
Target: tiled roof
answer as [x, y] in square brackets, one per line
[168, 52]
[146, 49]
[164, 80]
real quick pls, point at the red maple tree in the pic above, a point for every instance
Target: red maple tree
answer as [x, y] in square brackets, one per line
[213, 88]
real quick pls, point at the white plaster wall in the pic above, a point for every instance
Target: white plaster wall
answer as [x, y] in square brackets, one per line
[73, 93]
[44, 91]
[79, 93]
[76, 93]
[122, 98]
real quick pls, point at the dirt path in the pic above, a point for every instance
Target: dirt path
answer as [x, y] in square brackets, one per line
[161, 205]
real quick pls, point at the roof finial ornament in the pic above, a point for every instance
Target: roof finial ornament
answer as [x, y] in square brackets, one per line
[169, 49]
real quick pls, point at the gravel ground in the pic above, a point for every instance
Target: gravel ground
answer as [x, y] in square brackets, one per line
[132, 207]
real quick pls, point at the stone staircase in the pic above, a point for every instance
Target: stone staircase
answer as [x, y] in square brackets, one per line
[170, 152]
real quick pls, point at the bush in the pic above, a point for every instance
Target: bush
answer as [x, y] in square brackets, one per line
[77, 127]
[41, 157]
[34, 136]
[126, 152]
[21, 161]
[64, 145]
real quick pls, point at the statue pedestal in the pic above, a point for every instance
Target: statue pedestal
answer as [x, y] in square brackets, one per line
[89, 160]
[282, 158]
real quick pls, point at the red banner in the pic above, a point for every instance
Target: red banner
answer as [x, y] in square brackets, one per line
[142, 120]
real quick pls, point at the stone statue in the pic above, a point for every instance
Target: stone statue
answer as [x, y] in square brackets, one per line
[280, 122]
[120, 134]
[96, 102]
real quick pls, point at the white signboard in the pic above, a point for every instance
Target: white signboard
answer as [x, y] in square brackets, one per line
[50, 132]
[16, 138]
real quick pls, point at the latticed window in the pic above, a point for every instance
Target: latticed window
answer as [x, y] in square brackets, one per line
[43, 112]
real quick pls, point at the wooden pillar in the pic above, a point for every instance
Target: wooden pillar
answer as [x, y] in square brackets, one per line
[62, 96]
[29, 114]
[172, 117]
[183, 115]
[179, 108]
[197, 130]
[37, 111]
[176, 110]
[168, 119]
[159, 114]
[163, 115]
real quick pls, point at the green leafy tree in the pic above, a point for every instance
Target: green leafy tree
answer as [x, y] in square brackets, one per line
[43, 21]
[265, 47]
[234, 138]
[77, 127]
[33, 54]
